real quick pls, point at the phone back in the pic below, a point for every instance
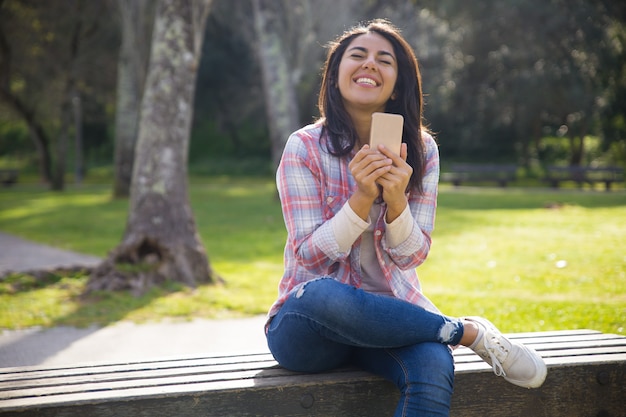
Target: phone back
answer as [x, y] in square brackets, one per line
[387, 130]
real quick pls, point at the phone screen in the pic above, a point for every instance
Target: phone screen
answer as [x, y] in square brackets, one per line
[387, 130]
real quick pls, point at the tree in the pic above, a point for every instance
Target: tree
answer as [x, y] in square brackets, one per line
[12, 18]
[135, 17]
[288, 37]
[53, 58]
[161, 240]
[278, 84]
[523, 70]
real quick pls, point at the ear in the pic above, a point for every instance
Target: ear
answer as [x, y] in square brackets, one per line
[394, 96]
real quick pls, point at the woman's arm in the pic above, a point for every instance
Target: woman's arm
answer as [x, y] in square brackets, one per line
[307, 210]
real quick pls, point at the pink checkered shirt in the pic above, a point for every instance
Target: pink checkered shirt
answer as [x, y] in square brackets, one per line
[313, 186]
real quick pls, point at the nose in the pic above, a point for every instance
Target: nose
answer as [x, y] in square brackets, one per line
[370, 63]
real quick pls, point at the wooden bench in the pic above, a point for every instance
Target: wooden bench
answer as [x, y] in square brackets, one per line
[581, 175]
[586, 377]
[463, 173]
[8, 177]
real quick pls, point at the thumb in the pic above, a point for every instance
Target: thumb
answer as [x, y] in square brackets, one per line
[403, 151]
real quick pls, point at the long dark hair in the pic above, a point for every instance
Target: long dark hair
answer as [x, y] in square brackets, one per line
[339, 132]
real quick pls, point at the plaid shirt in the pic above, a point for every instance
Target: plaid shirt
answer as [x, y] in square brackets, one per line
[313, 186]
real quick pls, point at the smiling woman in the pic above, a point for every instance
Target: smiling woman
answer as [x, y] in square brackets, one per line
[359, 222]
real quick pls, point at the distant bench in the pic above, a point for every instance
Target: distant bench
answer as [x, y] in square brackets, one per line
[580, 175]
[586, 376]
[8, 177]
[463, 173]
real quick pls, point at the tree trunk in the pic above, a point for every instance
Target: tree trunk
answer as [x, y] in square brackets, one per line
[577, 142]
[161, 242]
[79, 157]
[131, 75]
[58, 179]
[67, 113]
[280, 97]
[42, 144]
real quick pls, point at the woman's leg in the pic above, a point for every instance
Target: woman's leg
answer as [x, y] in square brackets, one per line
[297, 345]
[424, 374]
[331, 317]
[326, 317]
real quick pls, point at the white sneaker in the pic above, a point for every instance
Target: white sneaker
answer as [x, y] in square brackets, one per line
[516, 363]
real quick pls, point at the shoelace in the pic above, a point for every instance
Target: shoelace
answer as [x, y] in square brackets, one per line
[492, 344]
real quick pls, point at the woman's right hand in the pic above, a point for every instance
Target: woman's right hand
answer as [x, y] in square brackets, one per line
[366, 167]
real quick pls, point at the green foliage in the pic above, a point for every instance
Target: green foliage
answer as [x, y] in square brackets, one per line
[498, 75]
[617, 154]
[16, 147]
[529, 259]
[556, 150]
[209, 141]
[514, 81]
[15, 139]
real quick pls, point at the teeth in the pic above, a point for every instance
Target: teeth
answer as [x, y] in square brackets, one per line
[366, 81]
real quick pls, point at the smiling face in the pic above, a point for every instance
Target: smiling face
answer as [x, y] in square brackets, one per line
[367, 73]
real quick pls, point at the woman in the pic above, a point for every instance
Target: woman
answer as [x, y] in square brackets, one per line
[359, 222]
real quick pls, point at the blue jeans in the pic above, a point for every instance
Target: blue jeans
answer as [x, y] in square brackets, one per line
[327, 324]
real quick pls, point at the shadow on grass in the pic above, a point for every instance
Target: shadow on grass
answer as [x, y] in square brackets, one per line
[83, 316]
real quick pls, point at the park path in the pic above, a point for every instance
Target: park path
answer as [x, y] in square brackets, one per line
[19, 255]
[120, 342]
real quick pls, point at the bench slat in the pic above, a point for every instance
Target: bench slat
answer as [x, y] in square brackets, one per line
[132, 375]
[34, 372]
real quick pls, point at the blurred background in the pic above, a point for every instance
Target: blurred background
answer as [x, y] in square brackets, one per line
[528, 82]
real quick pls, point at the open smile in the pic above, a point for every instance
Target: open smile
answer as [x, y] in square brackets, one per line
[367, 81]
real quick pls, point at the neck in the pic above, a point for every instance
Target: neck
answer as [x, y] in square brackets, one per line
[363, 126]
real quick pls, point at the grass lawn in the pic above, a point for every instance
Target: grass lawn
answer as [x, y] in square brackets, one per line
[528, 259]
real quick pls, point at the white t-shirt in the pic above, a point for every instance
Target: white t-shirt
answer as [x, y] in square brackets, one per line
[348, 226]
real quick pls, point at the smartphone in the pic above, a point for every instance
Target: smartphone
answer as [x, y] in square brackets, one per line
[387, 130]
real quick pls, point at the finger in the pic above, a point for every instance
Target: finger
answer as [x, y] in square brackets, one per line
[403, 151]
[390, 154]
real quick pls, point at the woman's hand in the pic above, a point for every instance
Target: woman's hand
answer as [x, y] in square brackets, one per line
[367, 167]
[395, 182]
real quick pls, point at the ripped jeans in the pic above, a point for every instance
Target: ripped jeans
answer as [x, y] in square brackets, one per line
[328, 324]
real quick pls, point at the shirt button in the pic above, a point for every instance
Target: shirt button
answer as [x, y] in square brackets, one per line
[329, 200]
[378, 233]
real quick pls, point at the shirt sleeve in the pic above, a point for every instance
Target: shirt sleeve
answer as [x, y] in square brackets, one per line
[400, 229]
[311, 240]
[348, 226]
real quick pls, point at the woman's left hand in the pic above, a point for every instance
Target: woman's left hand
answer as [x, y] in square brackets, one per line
[395, 182]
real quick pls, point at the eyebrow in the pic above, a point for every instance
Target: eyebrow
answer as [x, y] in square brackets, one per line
[362, 49]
